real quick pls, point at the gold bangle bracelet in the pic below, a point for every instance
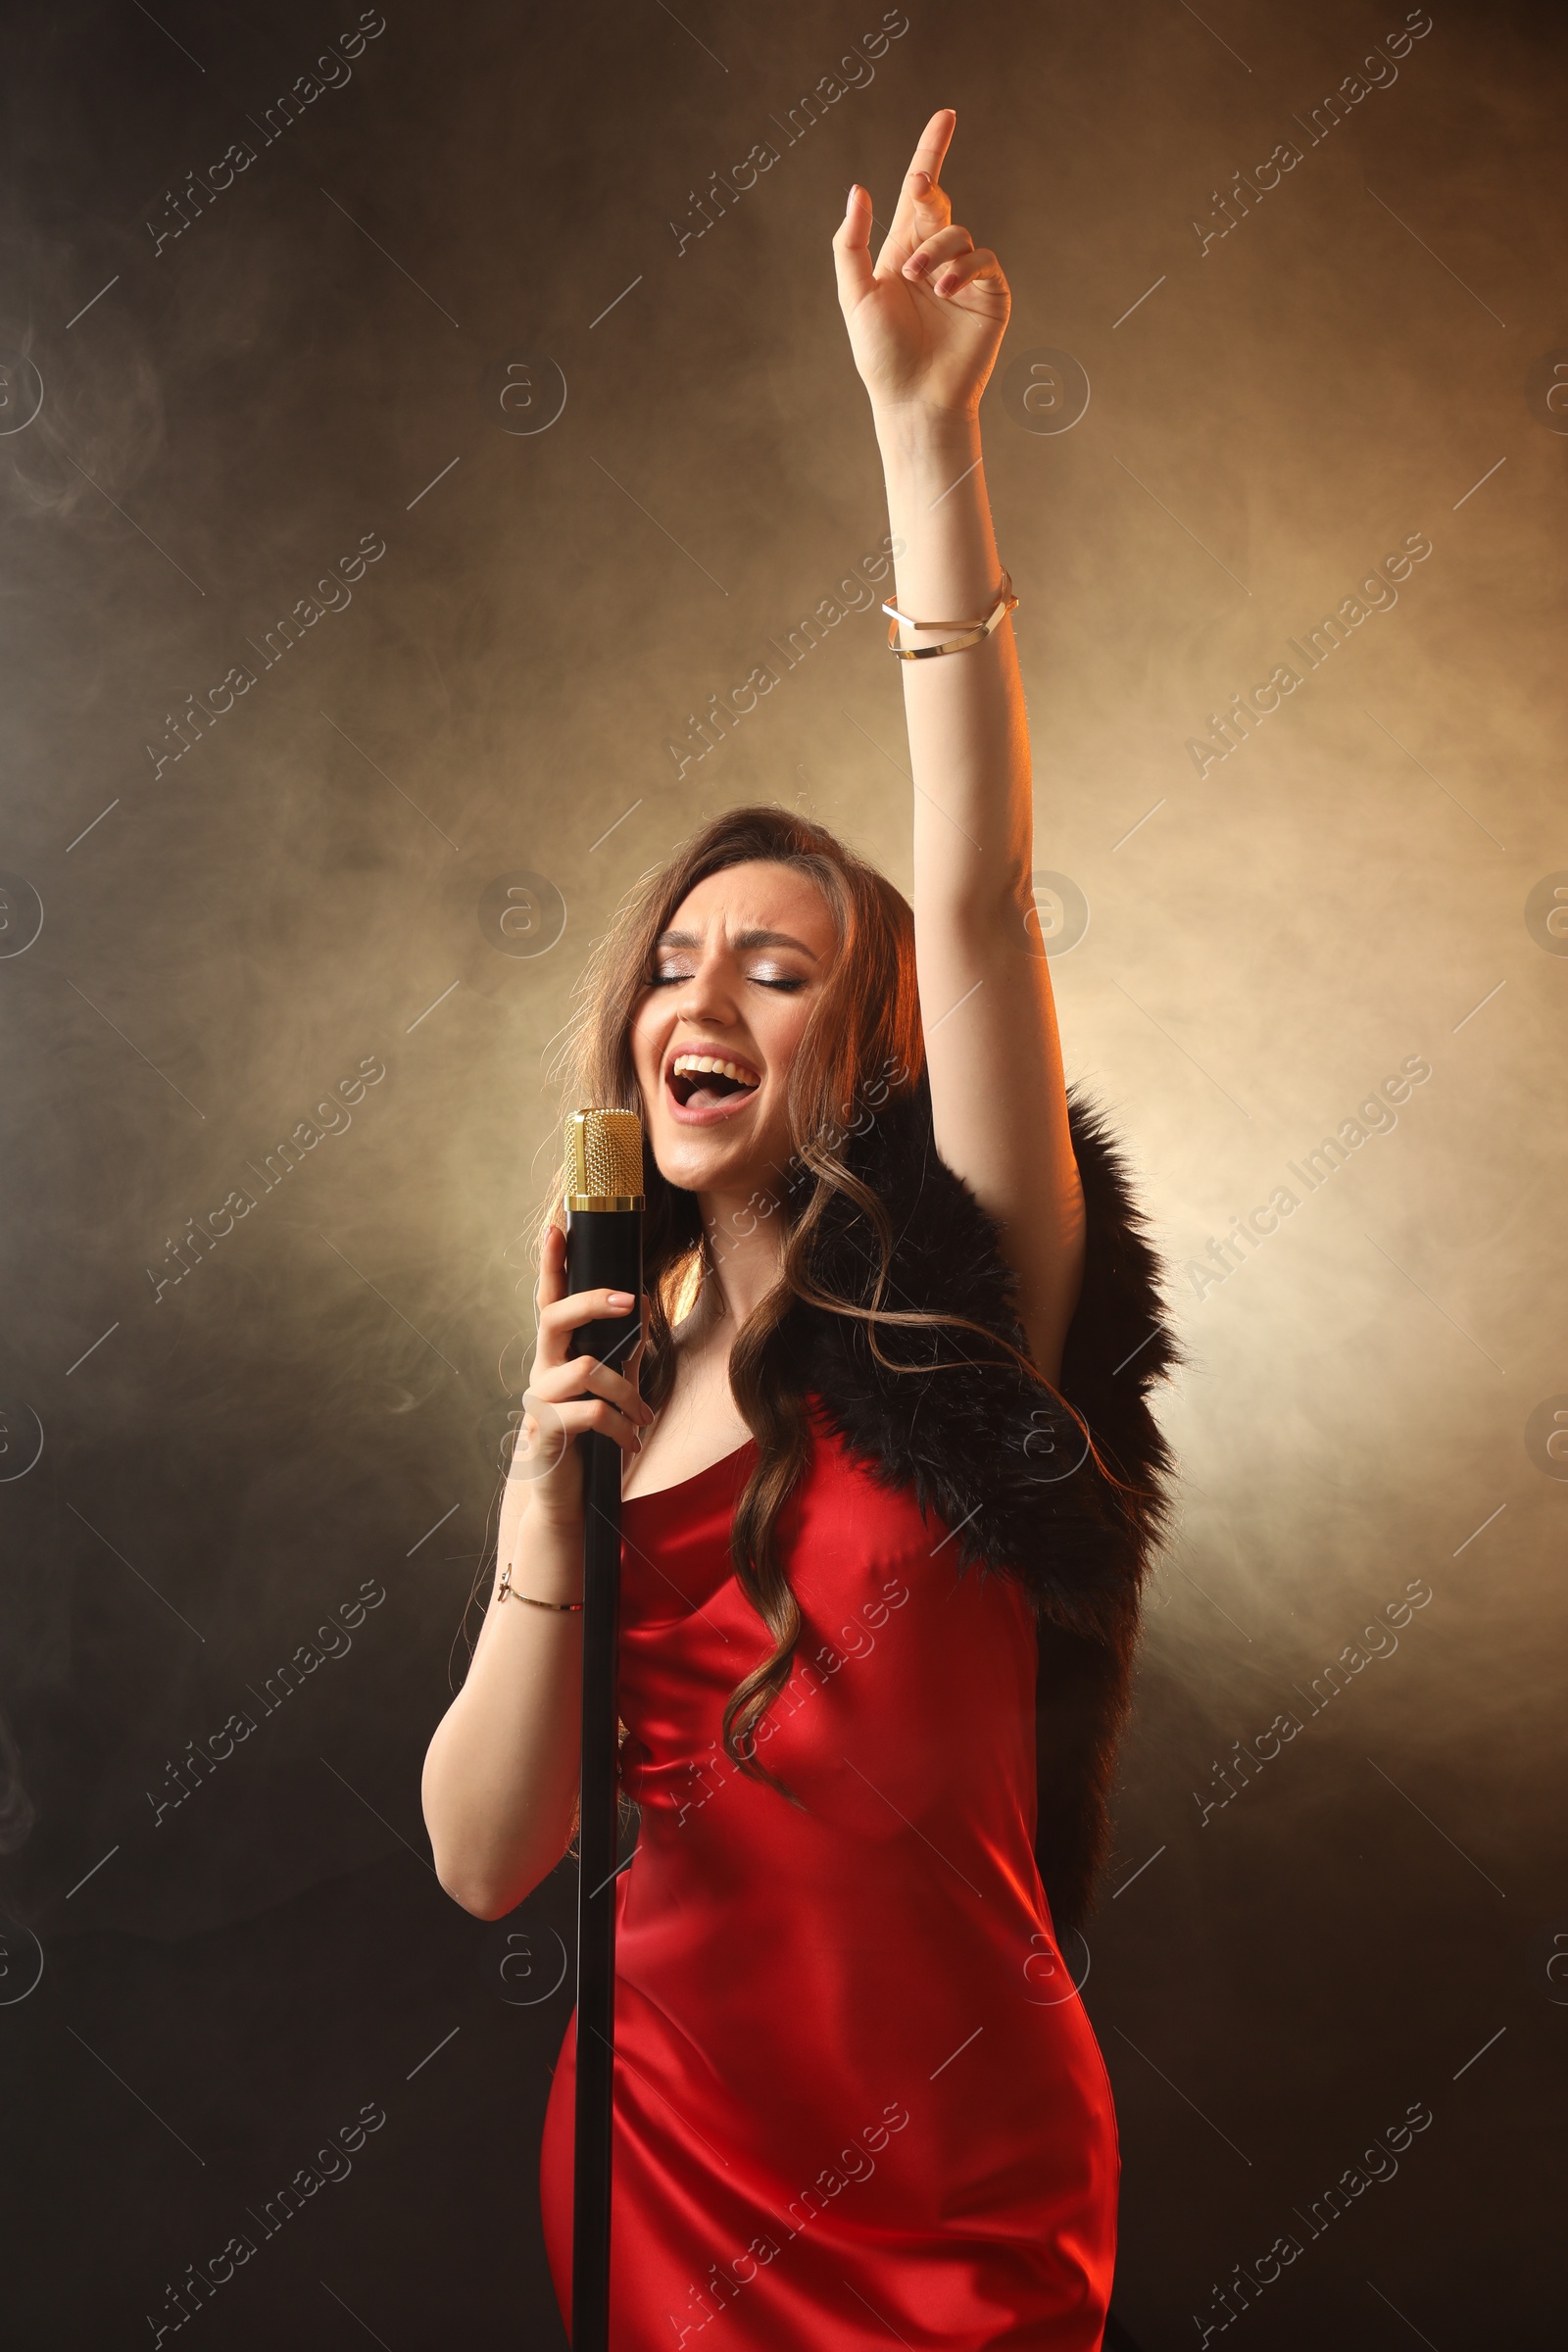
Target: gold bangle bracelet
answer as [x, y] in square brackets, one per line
[507, 1591]
[974, 630]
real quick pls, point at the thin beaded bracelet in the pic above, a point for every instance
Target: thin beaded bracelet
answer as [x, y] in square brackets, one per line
[507, 1591]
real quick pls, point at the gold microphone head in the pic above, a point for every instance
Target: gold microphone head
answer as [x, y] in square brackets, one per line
[604, 1160]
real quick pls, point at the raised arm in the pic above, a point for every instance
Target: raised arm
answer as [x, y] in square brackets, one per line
[925, 323]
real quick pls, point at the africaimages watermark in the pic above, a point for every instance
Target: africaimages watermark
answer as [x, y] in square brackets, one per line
[1374, 1116]
[1231, 730]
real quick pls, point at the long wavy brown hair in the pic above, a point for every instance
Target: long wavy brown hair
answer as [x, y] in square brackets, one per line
[863, 1045]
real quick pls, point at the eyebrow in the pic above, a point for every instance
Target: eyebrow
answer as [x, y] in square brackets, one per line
[741, 939]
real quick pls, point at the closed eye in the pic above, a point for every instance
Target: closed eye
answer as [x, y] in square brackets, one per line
[789, 983]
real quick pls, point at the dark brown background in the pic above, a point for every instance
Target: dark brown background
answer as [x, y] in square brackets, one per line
[224, 938]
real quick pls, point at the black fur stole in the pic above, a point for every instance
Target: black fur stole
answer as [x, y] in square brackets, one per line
[986, 1449]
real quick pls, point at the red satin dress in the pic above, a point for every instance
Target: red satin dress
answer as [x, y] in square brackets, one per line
[857, 2099]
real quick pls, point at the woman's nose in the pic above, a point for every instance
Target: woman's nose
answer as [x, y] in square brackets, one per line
[707, 996]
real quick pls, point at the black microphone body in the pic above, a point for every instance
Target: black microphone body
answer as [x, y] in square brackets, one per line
[603, 1251]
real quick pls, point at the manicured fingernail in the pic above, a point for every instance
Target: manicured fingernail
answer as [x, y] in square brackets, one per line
[621, 1301]
[917, 265]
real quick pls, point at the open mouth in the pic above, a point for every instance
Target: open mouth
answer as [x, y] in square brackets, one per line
[701, 1081]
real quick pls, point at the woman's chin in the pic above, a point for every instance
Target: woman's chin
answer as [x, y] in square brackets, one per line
[704, 1159]
[695, 1164]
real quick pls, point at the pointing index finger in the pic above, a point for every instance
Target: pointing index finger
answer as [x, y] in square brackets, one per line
[906, 233]
[935, 140]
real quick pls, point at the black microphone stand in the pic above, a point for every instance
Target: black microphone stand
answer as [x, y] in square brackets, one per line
[603, 1250]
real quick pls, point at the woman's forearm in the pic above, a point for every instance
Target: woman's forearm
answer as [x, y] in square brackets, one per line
[501, 1776]
[969, 741]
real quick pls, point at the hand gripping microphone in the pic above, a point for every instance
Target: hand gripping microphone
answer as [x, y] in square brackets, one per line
[603, 1203]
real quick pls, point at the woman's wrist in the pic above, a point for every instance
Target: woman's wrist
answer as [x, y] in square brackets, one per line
[547, 1561]
[932, 466]
[561, 1596]
[927, 456]
[913, 427]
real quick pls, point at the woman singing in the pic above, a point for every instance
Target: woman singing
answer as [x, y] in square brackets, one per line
[891, 1487]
